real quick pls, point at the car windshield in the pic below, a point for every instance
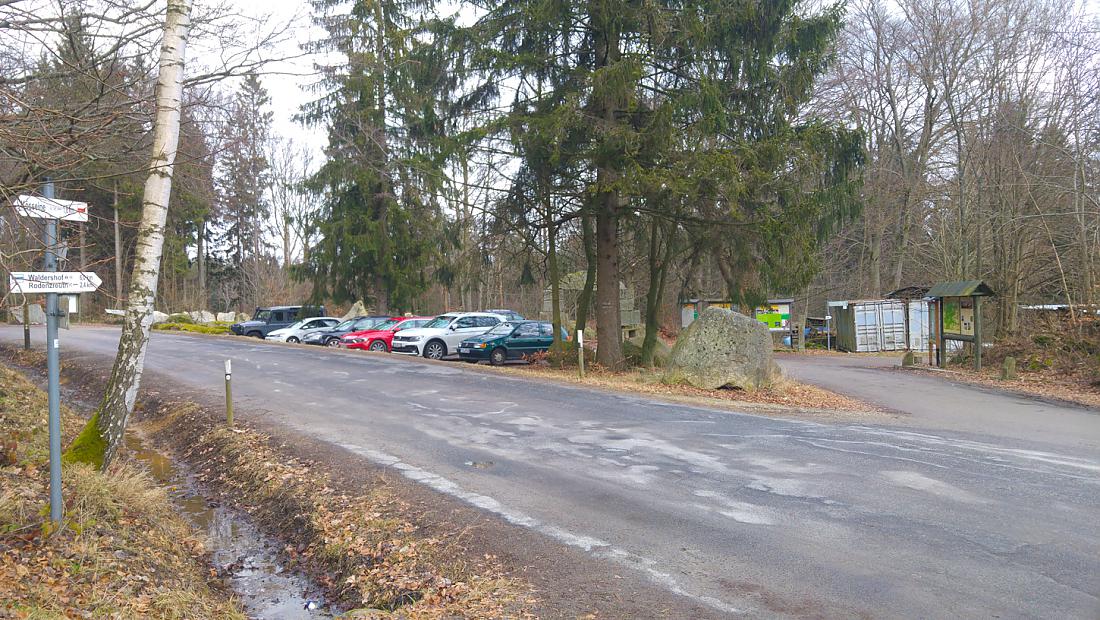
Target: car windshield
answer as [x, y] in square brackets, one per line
[345, 325]
[502, 329]
[368, 323]
[386, 324]
[262, 315]
[439, 321]
[299, 324]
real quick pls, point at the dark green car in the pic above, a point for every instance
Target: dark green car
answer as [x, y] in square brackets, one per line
[511, 340]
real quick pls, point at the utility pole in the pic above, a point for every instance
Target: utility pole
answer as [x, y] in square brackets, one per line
[118, 252]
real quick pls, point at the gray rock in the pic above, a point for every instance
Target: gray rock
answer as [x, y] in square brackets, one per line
[37, 315]
[723, 348]
[227, 317]
[159, 317]
[632, 349]
[202, 316]
[357, 309]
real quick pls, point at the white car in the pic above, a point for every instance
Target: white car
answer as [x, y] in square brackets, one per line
[441, 336]
[297, 331]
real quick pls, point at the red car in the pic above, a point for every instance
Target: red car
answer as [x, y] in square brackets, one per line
[380, 337]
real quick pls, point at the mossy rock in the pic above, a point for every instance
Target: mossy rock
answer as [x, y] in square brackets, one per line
[180, 317]
[632, 350]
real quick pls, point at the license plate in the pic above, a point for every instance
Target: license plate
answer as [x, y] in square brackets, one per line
[463, 350]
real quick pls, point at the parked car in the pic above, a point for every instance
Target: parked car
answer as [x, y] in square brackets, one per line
[266, 320]
[511, 340]
[441, 336]
[380, 337]
[330, 337]
[299, 330]
[507, 315]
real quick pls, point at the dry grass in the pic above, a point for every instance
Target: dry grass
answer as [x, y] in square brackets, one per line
[365, 549]
[785, 397]
[122, 552]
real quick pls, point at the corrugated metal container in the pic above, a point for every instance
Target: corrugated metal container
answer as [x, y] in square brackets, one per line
[870, 326]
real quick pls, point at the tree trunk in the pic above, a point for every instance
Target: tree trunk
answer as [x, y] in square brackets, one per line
[584, 300]
[609, 349]
[118, 253]
[658, 274]
[99, 440]
[201, 258]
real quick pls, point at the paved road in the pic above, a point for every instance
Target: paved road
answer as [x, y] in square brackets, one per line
[751, 514]
[932, 403]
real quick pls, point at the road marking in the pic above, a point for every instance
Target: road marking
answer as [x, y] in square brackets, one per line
[595, 546]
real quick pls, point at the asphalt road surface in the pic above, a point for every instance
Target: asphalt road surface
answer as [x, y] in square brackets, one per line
[749, 514]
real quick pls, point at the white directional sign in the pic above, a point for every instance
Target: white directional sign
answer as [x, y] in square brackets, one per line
[65, 282]
[51, 208]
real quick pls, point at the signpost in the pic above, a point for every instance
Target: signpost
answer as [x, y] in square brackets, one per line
[959, 313]
[53, 283]
[63, 282]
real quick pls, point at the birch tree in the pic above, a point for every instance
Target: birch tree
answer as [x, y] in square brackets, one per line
[99, 440]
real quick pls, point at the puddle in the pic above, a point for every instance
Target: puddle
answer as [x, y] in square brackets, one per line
[249, 559]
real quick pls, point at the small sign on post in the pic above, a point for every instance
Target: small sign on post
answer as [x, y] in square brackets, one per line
[51, 208]
[580, 352]
[63, 282]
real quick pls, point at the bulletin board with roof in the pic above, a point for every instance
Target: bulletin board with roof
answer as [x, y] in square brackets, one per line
[959, 313]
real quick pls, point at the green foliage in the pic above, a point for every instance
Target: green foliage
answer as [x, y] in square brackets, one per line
[179, 317]
[379, 217]
[215, 328]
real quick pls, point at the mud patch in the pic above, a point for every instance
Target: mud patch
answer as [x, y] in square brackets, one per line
[248, 560]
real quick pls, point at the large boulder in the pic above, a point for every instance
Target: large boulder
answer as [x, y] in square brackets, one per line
[202, 316]
[37, 315]
[357, 309]
[723, 348]
[227, 317]
[159, 317]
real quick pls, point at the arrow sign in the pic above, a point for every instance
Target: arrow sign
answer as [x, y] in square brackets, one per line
[51, 208]
[65, 282]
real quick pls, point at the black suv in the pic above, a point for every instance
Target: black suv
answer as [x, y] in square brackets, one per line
[266, 320]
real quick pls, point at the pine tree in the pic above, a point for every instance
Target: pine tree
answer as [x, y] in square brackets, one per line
[244, 207]
[379, 219]
[688, 111]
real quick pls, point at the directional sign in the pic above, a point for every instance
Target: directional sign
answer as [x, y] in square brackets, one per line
[30, 282]
[51, 208]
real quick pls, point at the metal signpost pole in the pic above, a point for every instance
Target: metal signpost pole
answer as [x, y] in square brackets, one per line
[53, 367]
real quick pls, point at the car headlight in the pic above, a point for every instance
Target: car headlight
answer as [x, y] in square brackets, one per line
[480, 345]
[412, 338]
[352, 340]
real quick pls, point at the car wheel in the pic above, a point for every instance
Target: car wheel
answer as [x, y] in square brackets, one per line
[255, 335]
[435, 350]
[498, 356]
[293, 340]
[378, 345]
[332, 342]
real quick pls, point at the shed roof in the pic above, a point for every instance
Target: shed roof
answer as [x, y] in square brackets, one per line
[960, 288]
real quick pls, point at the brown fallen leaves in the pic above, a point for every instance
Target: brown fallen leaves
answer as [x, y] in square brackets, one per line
[122, 553]
[365, 549]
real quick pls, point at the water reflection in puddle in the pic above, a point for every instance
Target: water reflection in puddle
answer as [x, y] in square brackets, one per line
[248, 558]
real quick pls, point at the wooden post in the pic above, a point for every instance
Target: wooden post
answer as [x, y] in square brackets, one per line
[26, 325]
[229, 393]
[977, 333]
[580, 352]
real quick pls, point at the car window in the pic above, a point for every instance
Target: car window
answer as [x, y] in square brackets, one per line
[488, 321]
[292, 314]
[262, 315]
[366, 323]
[439, 321]
[467, 321]
[314, 324]
[527, 330]
[546, 330]
[277, 316]
[502, 329]
[345, 325]
[410, 324]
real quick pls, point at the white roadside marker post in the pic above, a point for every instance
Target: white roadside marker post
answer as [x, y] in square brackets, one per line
[229, 393]
[580, 352]
[53, 284]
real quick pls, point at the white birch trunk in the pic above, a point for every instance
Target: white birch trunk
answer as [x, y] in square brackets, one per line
[99, 441]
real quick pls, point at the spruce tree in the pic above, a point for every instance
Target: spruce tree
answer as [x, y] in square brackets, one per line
[379, 219]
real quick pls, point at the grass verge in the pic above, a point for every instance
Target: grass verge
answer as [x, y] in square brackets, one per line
[195, 328]
[365, 548]
[122, 551]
